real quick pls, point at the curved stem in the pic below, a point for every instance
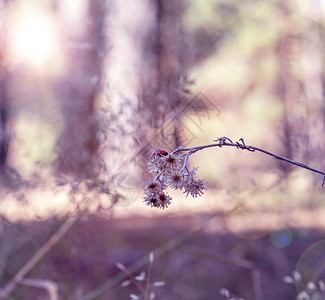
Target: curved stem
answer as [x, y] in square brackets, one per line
[224, 141]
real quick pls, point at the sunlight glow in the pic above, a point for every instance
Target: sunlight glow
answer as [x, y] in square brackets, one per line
[74, 14]
[33, 38]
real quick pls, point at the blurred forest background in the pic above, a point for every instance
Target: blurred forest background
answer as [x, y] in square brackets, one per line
[89, 88]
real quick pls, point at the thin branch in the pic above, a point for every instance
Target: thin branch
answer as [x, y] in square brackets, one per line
[50, 286]
[224, 141]
[147, 288]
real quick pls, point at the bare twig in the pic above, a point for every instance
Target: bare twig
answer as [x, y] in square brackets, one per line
[224, 141]
[147, 289]
[50, 286]
[4, 293]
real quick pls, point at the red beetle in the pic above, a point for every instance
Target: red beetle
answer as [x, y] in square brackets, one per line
[159, 152]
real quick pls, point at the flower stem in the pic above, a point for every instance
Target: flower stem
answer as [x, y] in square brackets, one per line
[224, 141]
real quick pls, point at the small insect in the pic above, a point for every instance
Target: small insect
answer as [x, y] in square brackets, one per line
[159, 152]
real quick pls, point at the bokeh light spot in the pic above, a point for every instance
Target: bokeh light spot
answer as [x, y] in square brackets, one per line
[281, 238]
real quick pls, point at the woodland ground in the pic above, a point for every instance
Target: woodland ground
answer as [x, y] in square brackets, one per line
[196, 263]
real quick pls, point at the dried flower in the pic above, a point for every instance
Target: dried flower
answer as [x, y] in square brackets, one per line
[141, 276]
[169, 171]
[176, 180]
[156, 164]
[164, 200]
[195, 187]
[288, 279]
[151, 200]
[165, 164]
[154, 187]
[160, 200]
[174, 162]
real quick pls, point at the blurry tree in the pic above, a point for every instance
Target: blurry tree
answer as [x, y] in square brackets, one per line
[289, 86]
[4, 101]
[4, 136]
[145, 75]
[78, 89]
[172, 63]
[312, 60]
[280, 43]
[300, 78]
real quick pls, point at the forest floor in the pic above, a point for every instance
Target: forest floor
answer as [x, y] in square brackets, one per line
[196, 255]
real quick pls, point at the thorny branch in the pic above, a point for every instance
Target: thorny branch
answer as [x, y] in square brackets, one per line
[224, 141]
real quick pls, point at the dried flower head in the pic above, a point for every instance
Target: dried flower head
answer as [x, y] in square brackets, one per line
[156, 164]
[194, 186]
[151, 200]
[160, 200]
[176, 180]
[154, 187]
[164, 200]
[174, 162]
[165, 164]
[170, 170]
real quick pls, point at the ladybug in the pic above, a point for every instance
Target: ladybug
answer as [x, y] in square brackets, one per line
[159, 152]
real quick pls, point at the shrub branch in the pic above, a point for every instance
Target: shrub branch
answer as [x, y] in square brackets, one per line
[224, 141]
